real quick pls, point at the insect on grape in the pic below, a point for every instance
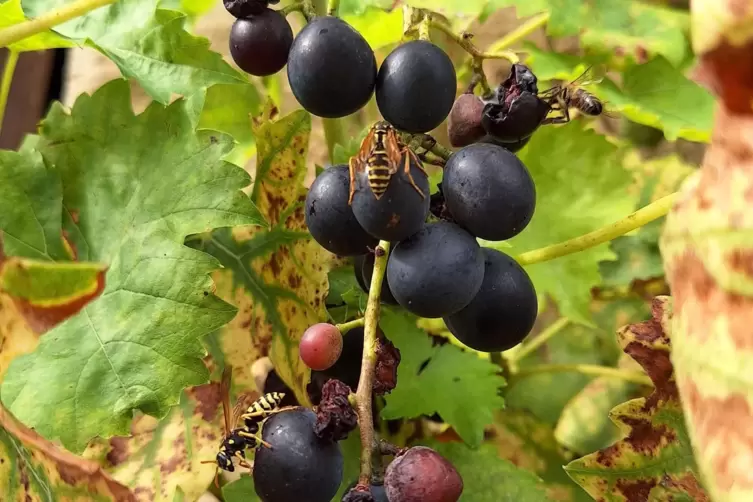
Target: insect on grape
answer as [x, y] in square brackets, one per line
[561, 98]
[380, 155]
[236, 440]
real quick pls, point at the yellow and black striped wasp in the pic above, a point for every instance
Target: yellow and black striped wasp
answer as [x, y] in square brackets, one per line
[380, 155]
[236, 440]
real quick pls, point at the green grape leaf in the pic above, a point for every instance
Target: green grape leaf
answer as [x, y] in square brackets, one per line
[241, 490]
[229, 108]
[379, 27]
[654, 461]
[147, 44]
[489, 478]
[33, 468]
[458, 385]
[194, 8]
[529, 443]
[658, 95]
[133, 187]
[160, 459]
[11, 13]
[276, 275]
[581, 186]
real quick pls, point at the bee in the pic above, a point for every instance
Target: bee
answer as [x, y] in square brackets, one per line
[235, 440]
[563, 97]
[380, 155]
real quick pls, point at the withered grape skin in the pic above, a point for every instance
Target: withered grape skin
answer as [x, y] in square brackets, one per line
[504, 310]
[330, 219]
[247, 8]
[399, 212]
[331, 69]
[320, 346]
[416, 86]
[422, 475]
[299, 466]
[437, 271]
[260, 44]
[489, 191]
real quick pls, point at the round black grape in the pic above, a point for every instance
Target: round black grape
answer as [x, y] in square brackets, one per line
[367, 269]
[504, 310]
[331, 68]
[416, 86]
[330, 219]
[299, 466]
[400, 211]
[247, 8]
[489, 191]
[260, 44]
[436, 271]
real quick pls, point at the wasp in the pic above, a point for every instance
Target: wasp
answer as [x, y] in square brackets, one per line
[236, 440]
[563, 97]
[380, 155]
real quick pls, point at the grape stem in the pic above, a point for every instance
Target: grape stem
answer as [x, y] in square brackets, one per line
[305, 7]
[641, 217]
[368, 363]
[8, 70]
[49, 19]
[528, 348]
[347, 326]
[332, 7]
[586, 369]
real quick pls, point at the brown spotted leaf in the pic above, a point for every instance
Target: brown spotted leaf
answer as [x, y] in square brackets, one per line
[708, 253]
[32, 468]
[276, 275]
[654, 461]
[161, 459]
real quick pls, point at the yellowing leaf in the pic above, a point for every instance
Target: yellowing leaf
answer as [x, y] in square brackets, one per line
[161, 459]
[32, 468]
[16, 336]
[276, 275]
[707, 247]
[655, 459]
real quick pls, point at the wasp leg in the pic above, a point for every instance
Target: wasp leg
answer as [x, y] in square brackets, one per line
[254, 436]
[352, 172]
[408, 155]
[242, 460]
[261, 414]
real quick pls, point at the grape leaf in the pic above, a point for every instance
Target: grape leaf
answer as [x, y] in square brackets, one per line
[159, 459]
[11, 13]
[229, 108]
[489, 478]
[458, 385]
[580, 187]
[655, 459]
[241, 490]
[530, 444]
[16, 335]
[32, 468]
[658, 95]
[134, 187]
[706, 246]
[277, 275]
[147, 44]
[46, 293]
[378, 27]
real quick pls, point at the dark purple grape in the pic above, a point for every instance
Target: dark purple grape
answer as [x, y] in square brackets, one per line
[437, 271]
[367, 270]
[422, 475]
[464, 124]
[330, 219]
[299, 466]
[416, 86]
[488, 191]
[331, 68]
[514, 111]
[399, 212]
[260, 44]
[503, 311]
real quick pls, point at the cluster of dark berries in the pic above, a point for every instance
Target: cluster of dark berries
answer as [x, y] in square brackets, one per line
[260, 38]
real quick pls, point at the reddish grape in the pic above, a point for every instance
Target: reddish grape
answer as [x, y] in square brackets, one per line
[320, 346]
[420, 474]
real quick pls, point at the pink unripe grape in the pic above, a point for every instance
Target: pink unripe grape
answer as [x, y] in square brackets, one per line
[320, 346]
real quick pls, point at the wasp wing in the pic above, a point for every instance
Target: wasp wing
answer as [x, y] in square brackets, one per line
[225, 395]
[245, 400]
